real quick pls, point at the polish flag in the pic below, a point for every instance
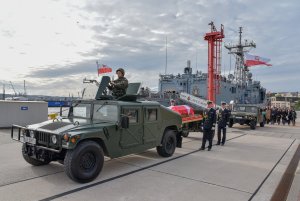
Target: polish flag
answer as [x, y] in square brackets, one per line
[253, 60]
[104, 69]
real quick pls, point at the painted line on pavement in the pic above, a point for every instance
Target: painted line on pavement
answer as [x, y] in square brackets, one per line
[123, 175]
[268, 175]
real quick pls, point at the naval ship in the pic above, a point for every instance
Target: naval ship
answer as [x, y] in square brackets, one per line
[238, 87]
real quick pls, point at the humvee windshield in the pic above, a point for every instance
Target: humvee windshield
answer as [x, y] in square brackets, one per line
[245, 109]
[105, 112]
[82, 110]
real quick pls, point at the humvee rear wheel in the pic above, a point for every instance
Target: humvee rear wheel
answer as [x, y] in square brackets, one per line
[185, 133]
[84, 163]
[168, 146]
[253, 125]
[32, 161]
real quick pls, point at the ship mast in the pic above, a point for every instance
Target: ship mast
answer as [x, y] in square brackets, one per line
[241, 71]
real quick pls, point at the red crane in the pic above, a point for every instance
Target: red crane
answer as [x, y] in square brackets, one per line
[214, 39]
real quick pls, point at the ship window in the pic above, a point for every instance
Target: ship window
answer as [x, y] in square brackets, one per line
[183, 84]
[180, 83]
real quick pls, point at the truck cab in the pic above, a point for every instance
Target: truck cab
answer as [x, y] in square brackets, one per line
[246, 114]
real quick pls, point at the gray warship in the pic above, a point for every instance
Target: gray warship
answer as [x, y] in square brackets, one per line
[238, 87]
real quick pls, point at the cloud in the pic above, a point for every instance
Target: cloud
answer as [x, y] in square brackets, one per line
[65, 39]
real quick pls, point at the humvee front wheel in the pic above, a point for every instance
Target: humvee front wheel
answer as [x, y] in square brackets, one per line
[84, 163]
[168, 145]
[32, 161]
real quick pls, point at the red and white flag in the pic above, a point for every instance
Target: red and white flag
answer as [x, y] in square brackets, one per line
[104, 69]
[253, 60]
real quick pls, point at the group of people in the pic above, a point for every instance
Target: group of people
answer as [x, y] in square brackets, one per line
[271, 115]
[209, 124]
[279, 115]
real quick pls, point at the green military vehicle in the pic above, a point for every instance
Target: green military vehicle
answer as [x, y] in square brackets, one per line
[104, 126]
[246, 114]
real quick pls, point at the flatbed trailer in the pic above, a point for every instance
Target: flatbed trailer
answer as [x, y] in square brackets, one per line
[190, 120]
[191, 123]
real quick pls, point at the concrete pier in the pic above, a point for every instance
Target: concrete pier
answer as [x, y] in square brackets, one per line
[249, 167]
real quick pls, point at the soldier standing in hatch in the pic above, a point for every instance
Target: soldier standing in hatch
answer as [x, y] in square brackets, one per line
[223, 118]
[209, 126]
[119, 86]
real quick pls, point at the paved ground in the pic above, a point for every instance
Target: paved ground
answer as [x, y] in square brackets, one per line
[248, 167]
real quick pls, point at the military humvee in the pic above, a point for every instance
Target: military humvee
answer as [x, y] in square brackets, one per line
[101, 127]
[246, 114]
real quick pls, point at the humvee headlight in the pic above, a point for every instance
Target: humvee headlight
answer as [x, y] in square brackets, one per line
[54, 139]
[31, 134]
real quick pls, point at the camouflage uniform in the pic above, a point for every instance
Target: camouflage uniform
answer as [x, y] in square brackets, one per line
[119, 87]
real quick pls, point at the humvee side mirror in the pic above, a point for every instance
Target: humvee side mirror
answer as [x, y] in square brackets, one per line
[125, 122]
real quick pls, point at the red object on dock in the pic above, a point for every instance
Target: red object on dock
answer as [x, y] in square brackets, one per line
[183, 109]
[192, 118]
[214, 39]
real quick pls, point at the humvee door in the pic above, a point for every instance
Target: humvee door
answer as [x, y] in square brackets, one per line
[132, 136]
[151, 123]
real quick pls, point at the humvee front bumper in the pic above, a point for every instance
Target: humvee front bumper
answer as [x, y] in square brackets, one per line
[37, 139]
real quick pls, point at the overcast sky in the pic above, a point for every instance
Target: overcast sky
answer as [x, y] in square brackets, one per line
[54, 44]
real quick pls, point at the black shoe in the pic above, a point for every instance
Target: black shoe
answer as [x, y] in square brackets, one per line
[202, 148]
[222, 144]
[208, 149]
[218, 143]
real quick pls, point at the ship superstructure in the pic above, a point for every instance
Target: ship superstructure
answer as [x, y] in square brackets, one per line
[238, 87]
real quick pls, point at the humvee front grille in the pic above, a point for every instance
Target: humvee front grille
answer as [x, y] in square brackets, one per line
[43, 137]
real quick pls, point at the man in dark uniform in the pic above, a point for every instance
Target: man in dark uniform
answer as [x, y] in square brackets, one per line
[119, 86]
[223, 118]
[273, 115]
[209, 126]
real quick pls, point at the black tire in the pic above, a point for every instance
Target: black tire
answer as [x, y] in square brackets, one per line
[185, 133]
[230, 123]
[253, 125]
[262, 124]
[32, 161]
[84, 163]
[168, 145]
[241, 124]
